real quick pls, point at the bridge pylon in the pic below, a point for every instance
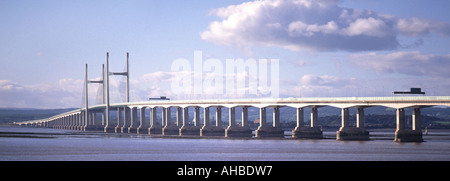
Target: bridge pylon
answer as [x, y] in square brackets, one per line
[107, 127]
[89, 119]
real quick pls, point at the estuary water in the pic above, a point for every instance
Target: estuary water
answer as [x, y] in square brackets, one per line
[31, 143]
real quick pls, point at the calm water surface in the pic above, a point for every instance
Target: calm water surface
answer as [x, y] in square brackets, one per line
[21, 143]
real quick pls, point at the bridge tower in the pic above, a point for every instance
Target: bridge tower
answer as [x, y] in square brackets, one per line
[90, 120]
[107, 74]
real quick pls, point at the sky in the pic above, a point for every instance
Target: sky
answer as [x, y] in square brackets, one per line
[325, 48]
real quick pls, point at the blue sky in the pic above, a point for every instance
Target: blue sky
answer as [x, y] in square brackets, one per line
[325, 48]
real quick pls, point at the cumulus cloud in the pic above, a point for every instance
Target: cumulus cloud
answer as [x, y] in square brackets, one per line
[325, 80]
[154, 84]
[313, 25]
[368, 27]
[157, 77]
[7, 85]
[319, 86]
[65, 93]
[420, 27]
[409, 63]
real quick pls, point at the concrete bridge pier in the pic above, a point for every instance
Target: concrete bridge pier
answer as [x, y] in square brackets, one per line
[310, 132]
[59, 123]
[110, 125]
[98, 121]
[77, 121]
[82, 123]
[108, 128]
[92, 124]
[88, 122]
[169, 128]
[403, 135]
[275, 130]
[143, 128]
[51, 124]
[91, 121]
[134, 121]
[234, 130]
[55, 124]
[187, 129]
[212, 130]
[352, 133]
[68, 122]
[126, 120]
[73, 123]
[154, 128]
[119, 121]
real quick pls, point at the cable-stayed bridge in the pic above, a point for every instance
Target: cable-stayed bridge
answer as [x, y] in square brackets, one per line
[129, 121]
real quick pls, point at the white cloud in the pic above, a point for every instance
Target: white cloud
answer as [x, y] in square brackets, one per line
[64, 93]
[368, 27]
[324, 80]
[420, 27]
[7, 85]
[319, 86]
[298, 28]
[312, 25]
[70, 85]
[154, 84]
[44, 95]
[157, 77]
[409, 63]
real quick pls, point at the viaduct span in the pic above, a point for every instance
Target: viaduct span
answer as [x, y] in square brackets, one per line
[128, 121]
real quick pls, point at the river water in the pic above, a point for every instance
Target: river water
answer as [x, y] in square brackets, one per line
[31, 143]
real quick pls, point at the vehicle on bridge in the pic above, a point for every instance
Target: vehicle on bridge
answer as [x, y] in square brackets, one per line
[160, 98]
[412, 91]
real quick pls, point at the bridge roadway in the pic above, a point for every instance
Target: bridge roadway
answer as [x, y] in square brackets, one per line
[128, 122]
